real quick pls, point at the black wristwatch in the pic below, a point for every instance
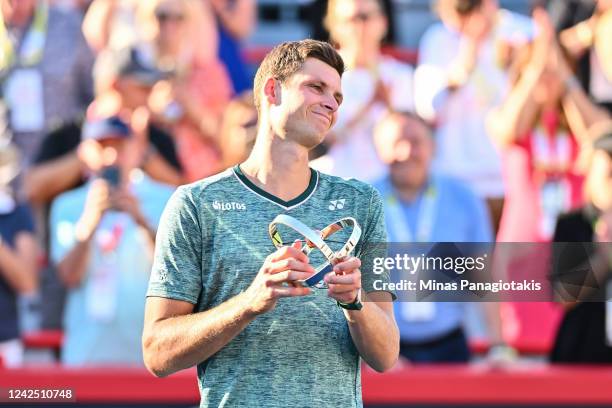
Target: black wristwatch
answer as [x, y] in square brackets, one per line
[355, 305]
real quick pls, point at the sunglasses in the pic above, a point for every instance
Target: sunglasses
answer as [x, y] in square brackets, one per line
[164, 16]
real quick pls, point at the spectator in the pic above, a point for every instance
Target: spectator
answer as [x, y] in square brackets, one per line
[183, 37]
[123, 85]
[45, 60]
[583, 336]
[18, 258]
[459, 78]
[238, 130]
[372, 84]
[236, 20]
[588, 43]
[315, 14]
[424, 207]
[96, 230]
[540, 127]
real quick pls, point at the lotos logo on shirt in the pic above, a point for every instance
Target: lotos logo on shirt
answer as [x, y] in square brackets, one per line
[228, 206]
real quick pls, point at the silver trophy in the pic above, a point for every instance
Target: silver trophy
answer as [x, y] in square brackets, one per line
[316, 240]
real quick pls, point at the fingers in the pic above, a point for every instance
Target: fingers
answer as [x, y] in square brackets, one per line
[345, 280]
[353, 279]
[290, 291]
[289, 264]
[99, 193]
[288, 252]
[347, 265]
[287, 276]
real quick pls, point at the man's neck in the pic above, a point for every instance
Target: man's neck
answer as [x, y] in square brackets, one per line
[408, 193]
[278, 167]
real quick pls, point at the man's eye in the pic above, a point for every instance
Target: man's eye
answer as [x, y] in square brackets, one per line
[317, 87]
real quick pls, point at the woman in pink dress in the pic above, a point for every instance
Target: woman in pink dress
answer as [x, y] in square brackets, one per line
[541, 129]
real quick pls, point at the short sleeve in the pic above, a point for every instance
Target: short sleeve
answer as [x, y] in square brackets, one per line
[374, 246]
[26, 219]
[177, 263]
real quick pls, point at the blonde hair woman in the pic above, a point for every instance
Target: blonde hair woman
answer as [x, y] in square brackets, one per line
[182, 38]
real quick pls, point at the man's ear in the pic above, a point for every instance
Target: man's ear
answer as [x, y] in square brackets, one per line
[272, 91]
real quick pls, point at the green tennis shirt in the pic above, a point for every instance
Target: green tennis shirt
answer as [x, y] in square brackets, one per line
[211, 243]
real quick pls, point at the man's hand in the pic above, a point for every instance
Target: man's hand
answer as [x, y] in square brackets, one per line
[382, 94]
[276, 279]
[345, 280]
[97, 202]
[124, 201]
[603, 235]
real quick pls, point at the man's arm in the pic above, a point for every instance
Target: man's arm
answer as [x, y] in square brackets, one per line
[374, 331]
[44, 181]
[174, 339]
[18, 266]
[71, 268]
[373, 328]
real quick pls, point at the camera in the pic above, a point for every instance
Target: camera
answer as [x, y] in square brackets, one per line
[112, 175]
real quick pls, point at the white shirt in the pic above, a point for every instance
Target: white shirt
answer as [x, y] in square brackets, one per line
[354, 155]
[464, 149]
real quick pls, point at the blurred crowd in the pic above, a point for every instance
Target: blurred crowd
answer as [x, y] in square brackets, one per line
[499, 131]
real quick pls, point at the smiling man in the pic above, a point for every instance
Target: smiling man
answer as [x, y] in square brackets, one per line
[222, 298]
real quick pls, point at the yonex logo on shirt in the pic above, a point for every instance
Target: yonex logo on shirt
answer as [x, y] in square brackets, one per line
[337, 204]
[221, 206]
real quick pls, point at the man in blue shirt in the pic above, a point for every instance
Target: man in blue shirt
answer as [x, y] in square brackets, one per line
[102, 239]
[421, 206]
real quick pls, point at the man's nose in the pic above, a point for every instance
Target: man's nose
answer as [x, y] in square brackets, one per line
[331, 104]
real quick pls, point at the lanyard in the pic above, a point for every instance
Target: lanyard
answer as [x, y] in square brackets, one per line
[33, 44]
[398, 225]
[551, 147]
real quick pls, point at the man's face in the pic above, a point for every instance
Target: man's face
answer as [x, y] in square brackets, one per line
[406, 146]
[358, 23]
[307, 103]
[171, 20]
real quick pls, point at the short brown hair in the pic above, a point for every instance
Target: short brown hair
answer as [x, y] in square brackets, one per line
[287, 58]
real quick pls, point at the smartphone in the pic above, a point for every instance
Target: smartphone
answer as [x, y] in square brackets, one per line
[112, 175]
